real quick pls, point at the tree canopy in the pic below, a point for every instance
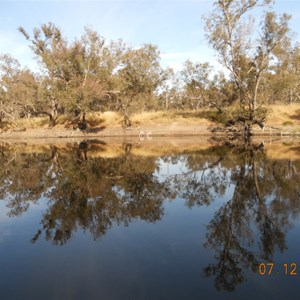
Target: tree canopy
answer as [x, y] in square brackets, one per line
[92, 74]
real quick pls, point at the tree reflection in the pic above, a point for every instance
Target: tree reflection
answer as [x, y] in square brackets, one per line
[23, 179]
[260, 198]
[85, 190]
[205, 177]
[258, 211]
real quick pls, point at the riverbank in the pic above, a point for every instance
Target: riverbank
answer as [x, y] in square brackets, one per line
[142, 132]
[110, 147]
[282, 121]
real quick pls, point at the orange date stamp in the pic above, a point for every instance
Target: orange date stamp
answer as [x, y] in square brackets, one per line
[267, 269]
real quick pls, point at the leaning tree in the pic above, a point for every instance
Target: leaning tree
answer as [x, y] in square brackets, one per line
[246, 53]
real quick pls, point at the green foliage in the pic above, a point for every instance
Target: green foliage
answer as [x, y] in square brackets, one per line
[230, 32]
[19, 88]
[140, 77]
[90, 74]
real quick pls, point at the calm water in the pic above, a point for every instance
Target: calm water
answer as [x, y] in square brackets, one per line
[92, 220]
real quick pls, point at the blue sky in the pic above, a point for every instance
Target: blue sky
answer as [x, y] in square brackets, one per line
[174, 26]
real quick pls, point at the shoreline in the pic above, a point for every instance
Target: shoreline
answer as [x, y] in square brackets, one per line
[141, 132]
[109, 147]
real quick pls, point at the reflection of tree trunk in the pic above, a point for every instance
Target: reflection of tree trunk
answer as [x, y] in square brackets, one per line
[236, 197]
[82, 151]
[258, 193]
[228, 272]
[54, 157]
[291, 169]
[271, 233]
[262, 207]
[127, 147]
[11, 160]
[82, 155]
[248, 133]
[229, 234]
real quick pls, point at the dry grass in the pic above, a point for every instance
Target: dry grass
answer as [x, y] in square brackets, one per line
[111, 118]
[115, 119]
[95, 119]
[201, 117]
[67, 120]
[23, 124]
[283, 151]
[287, 115]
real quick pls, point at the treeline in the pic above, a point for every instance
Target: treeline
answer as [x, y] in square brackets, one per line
[92, 74]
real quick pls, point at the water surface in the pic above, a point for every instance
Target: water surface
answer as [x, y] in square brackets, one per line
[178, 220]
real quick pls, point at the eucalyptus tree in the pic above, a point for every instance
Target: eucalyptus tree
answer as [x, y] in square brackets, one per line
[170, 91]
[222, 93]
[140, 77]
[9, 70]
[202, 89]
[75, 74]
[19, 88]
[282, 84]
[247, 56]
[49, 47]
[195, 77]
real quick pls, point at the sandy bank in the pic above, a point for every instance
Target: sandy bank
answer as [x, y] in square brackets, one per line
[142, 132]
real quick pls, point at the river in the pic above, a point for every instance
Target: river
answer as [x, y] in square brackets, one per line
[177, 219]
